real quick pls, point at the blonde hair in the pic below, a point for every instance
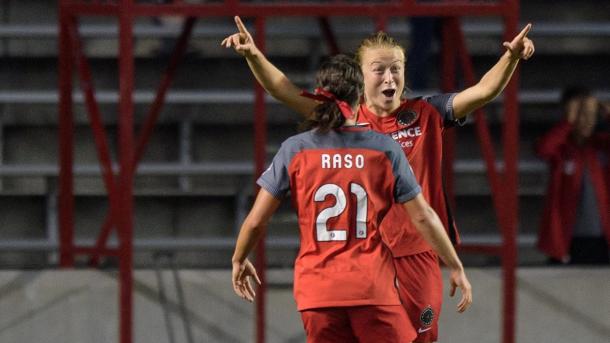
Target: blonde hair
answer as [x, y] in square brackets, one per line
[379, 39]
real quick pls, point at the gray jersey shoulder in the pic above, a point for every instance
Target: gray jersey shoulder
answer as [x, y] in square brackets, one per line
[443, 103]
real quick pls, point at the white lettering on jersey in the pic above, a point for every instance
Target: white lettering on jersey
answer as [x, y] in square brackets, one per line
[325, 161]
[406, 137]
[347, 161]
[411, 132]
[359, 161]
[323, 233]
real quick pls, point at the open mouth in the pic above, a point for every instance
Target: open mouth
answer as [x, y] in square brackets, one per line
[389, 93]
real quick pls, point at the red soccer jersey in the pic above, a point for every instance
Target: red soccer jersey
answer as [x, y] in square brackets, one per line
[417, 126]
[342, 184]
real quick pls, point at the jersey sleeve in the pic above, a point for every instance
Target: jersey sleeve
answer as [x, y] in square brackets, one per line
[406, 186]
[444, 105]
[275, 179]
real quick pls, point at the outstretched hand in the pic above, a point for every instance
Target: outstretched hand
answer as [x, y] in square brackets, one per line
[521, 47]
[242, 285]
[458, 279]
[241, 41]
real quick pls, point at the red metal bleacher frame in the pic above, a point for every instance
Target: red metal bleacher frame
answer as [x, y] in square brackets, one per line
[119, 183]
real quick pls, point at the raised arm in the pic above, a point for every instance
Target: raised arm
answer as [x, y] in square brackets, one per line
[429, 225]
[269, 76]
[496, 79]
[251, 231]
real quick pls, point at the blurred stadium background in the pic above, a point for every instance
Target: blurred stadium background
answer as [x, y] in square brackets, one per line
[194, 184]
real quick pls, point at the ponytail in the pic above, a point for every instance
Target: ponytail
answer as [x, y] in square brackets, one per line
[325, 116]
[341, 77]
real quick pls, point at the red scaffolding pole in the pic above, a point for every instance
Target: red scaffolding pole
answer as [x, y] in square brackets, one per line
[260, 141]
[119, 183]
[504, 183]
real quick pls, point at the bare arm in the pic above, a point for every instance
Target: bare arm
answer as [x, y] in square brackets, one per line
[269, 76]
[496, 79]
[429, 225]
[251, 231]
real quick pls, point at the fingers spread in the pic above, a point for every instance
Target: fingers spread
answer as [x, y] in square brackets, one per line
[466, 298]
[465, 301]
[256, 277]
[243, 289]
[463, 305]
[237, 287]
[250, 290]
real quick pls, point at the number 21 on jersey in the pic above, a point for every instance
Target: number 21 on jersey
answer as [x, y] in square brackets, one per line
[322, 231]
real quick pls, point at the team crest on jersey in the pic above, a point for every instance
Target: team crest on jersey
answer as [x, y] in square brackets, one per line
[406, 117]
[427, 316]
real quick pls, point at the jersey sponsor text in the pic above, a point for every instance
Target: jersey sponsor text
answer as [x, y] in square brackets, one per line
[411, 132]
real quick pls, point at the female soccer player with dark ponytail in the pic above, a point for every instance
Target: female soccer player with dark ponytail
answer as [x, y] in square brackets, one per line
[343, 178]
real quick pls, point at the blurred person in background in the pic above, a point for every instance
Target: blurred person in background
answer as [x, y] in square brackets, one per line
[575, 224]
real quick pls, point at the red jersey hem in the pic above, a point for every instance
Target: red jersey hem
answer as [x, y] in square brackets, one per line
[348, 303]
[397, 253]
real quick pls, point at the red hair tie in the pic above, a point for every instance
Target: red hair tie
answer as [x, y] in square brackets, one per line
[321, 94]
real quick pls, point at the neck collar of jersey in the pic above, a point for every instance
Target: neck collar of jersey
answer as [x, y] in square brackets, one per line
[356, 128]
[403, 116]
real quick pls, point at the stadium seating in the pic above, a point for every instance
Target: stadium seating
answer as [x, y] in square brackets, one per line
[195, 181]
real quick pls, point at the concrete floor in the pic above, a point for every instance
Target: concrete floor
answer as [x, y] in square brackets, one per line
[560, 304]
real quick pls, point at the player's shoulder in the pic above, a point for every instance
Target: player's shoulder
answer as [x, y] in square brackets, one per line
[378, 137]
[382, 142]
[298, 141]
[430, 97]
[434, 106]
[438, 101]
[294, 145]
[412, 108]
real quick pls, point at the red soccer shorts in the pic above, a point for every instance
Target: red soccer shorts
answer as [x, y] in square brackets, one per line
[420, 287]
[358, 324]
